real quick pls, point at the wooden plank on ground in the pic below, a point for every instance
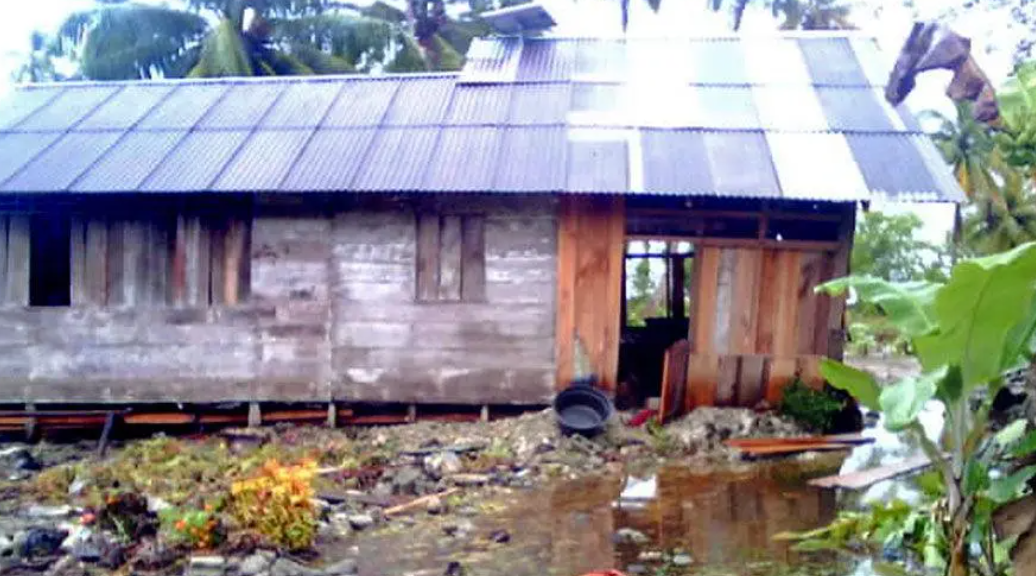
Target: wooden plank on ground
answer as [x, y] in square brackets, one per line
[450, 259]
[473, 259]
[674, 380]
[794, 448]
[565, 320]
[852, 439]
[726, 381]
[750, 384]
[19, 251]
[865, 478]
[427, 257]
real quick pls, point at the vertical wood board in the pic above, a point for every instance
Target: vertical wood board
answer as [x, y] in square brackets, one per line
[473, 259]
[19, 252]
[427, 257]
[450, 259]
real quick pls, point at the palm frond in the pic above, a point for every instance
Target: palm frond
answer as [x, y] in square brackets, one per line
[320, 62]
[223, 54]
[365, 44]
[408, 56]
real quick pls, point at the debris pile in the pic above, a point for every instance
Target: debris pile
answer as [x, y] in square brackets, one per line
[244, 501]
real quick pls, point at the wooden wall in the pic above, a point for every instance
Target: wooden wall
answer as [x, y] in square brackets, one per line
[330, 312]
[591, 236]
[756, 323]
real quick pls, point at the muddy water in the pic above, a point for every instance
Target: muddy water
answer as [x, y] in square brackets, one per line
[724, 520]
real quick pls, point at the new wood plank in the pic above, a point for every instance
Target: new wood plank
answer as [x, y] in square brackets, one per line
[785, 335]
[19, 249]
[707, 265]
[473, 259]
[565, 323]
[427, 257]
[450, 259]
[613, 282]
[674, 380]
[745, 301]
[702, 374]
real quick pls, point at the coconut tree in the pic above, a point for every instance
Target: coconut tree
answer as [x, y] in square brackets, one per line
[122, 39]
[1001, 222]
[967, 145]
[792, 14]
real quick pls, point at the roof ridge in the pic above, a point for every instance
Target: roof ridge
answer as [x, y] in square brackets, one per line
[238, 80]
[720, 36]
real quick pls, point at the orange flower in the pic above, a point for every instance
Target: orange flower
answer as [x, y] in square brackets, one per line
[181, 524]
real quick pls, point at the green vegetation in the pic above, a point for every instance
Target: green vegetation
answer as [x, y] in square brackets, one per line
[814, 409]
[967, 333]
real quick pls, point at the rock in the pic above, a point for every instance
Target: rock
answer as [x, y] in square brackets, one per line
[458, 529]
[500, 536]
[442, 464]
[6, 546]
[636, 569]
[344, 567]
[151, 556]
[333, 496]
[77, 486]
[435, 506]
[83, 544]
[681, 559]
[361, 521]
[469, 479]
[113, 555]
[454, 569]
[406, 480]
[206, 566]
[629, 536]
[285, 567]
[39, 542]
[49, 512]
[254, 564]
[156, 504]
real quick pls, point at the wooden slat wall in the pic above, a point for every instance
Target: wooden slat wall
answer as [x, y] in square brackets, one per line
[756, 324]
[591, 237]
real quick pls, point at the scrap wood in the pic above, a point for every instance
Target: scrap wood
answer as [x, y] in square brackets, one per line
[864, 478]
[420, 501]
[793, 448]
[850, 439]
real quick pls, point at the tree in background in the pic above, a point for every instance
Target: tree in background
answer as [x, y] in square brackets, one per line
[997, 223]
[39, 64]
[641, 300]
[121, 39]
[887, 246]
[792, 14]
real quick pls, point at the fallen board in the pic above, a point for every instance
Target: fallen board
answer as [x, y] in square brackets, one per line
[848, 439]
[864, 478]
[793, 448]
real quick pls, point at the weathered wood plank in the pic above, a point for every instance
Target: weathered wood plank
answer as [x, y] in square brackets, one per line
[750, 384]
[3, 258]
[237, 278]
[745, 301]
[766, 310]
[724, 307]
[840, 267]
[727, 379]
[566, 306]
[787, 290]
[704, 301]
[450, 259]
[116, 263]
[428, 249]
[97, 262]
[193, 235]
[135, 263]
[19, 252]
[217, 262]
[811, 270]
[473, 259]
[159, 262]
[702, 374]
[780, 373]
[674, 380]
[178, 272]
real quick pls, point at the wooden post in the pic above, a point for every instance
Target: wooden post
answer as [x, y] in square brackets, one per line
[255, 415]
[484, 413]
[30, 423]
[332, 415]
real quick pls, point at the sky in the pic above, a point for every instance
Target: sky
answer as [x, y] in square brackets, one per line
[993, 34]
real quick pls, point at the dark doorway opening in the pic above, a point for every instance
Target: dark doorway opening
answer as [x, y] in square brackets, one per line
[50, 273]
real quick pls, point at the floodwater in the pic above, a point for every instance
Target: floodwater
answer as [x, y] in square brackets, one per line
[722, 520]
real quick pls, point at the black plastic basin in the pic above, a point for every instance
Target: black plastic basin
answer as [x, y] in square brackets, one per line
[582, 409]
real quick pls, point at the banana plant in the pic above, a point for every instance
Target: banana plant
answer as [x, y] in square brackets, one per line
[967, 334]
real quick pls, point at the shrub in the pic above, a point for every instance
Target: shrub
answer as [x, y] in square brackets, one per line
[277, 504]
[192, 528]
[814, 409]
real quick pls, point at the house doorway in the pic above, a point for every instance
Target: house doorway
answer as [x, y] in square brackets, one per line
[655, 304]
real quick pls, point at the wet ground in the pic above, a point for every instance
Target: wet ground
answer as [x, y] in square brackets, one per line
[722, 520]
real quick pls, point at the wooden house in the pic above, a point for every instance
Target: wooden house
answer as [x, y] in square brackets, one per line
[450, 238]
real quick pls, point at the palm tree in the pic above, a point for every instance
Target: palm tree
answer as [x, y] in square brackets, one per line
[996, 224]
[967, 145]
[122, 39]
[38, 65]
[793, 14]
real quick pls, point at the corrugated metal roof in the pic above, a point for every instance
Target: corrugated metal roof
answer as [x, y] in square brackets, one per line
[793, 116]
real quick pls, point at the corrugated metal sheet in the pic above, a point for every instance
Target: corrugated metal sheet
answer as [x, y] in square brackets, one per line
[16, 149]
[68, 109]
[330, 160]
[465, 160]
[303, 105]
[397, 160]
[196, 162]
[263, 162]
[18, 106]
[546, 60]
[832, 62]
[125, 108]
[361, 103]
[532, 159]
[244, 106]
[750, 117]
[184, 107]
[480, 104]
[129, 162]
[59, 165]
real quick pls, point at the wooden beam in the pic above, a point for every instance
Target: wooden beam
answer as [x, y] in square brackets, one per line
[565, 319]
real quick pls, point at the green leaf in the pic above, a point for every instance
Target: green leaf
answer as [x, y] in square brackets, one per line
[1025, 446]
[224, 54]
[860, 384]
[903, 401]
[1007, 488]
[889, 569]
[1011, 433]
[908, 305]
[976, 476]
[976, 312]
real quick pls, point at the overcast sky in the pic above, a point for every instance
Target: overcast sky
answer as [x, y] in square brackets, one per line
[888, 20]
